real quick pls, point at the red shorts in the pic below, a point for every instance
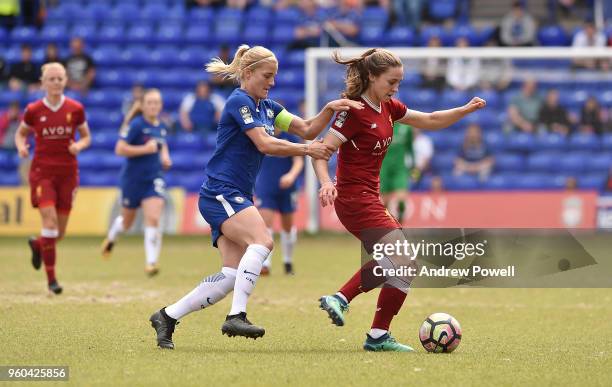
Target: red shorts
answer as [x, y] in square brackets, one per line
[48, 189]
[364, 216]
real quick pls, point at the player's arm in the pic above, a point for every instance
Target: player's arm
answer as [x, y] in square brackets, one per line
[271, 145]
[328, 192]
[164, 156]
[296, 168]
[441, 118]
[309, 129]
[84, 139]
[21, 140]
[123, 148]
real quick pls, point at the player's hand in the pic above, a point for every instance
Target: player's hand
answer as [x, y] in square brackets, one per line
[74, 148]
[318, 150]
[166, 162]
[475, 104]
[151, 146]
[328, 193]
[24, 151]
[286, 181]
[345, 104]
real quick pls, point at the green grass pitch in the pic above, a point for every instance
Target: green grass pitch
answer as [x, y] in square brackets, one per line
[99, 326]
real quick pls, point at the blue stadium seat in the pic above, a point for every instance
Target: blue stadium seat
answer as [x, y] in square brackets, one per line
[165, 79]
[173, 98]
[500, 181]
[534, 181]
[289, 96]
[103, 98]
[296, 58]
[107, 56]
[573, 99]
[200, 16]
[99, 179]
[461, 183]
[551, 141]
[543, 161]
[10, 178]
[521, 142]
[430, 31]
[283, 34]
[288, 17]
[99, 11]
[3, 36]
[442, 9]
[182, 160]
[9, 160]
[454, 98]
[89, 160]
[164, 56]
[190, 181]
[419, 99]
[110, 161]
[400, 36]
[600, 162]
[509, 162]
[290, 78]
[595, 181]
[153, 12]
[255, 34]
[112, 33]
[192, 56]
[8, 96]
[443, 162]
[262, 16]
[103, 141]
[125, 12]
[24, 35]
[169, 34]
[493, 98]
[135, 55]
[553, 36]
[140, 34]
[87, 32]
[446, 140]
[573, 162]
[198, 34]
[64, 12]
[374, 17]
[584, 141]
[483, 35]
[605, 98]
[496, 141]
[98, 118]
[54, 34]
[186, 141]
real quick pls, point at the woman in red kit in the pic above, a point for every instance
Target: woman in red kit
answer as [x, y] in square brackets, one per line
[362, 137]
[54, 177]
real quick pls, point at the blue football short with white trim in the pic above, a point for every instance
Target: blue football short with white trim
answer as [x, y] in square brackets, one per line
[218, 202]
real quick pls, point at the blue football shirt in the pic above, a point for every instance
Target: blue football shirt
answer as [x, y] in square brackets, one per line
[236, 160]
[145, 167]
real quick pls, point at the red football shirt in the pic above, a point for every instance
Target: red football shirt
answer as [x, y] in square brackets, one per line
[54, 129]
[366, 134]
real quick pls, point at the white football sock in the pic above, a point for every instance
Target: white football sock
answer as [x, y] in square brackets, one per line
[376, 333]
[116, 228]
[248, 272]
[288, 240]
[342, 296]
[210, 291]
[268, 262]
[152, 239]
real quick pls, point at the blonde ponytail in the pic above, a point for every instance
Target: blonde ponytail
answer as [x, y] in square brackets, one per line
[245, 57]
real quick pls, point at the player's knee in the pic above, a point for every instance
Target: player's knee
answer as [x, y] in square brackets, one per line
[267, 241]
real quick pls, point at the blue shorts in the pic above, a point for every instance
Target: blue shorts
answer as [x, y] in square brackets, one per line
[284, 201]
[218, 202]
[134, 192]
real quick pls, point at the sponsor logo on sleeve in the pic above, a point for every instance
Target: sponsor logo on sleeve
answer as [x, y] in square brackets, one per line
[245, 112]
[340, 118]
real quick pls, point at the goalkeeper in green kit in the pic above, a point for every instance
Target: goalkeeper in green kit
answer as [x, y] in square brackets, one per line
[397, 169]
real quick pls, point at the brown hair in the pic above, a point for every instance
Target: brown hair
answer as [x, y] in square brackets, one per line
[136, 107]
[374, 61]
[245, 57]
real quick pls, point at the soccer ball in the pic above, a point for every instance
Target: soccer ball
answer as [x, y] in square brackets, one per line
[440, 332]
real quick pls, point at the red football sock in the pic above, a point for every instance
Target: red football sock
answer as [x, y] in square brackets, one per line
[362, 281]
[390, 301]
[36, 244]
[47, 251]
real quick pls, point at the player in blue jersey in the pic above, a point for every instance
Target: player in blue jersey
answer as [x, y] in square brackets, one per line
[245, 133]
[143, 142]
[275, 191]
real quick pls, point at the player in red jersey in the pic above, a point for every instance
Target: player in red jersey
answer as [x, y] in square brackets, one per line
[54, 177]
[363, 138]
